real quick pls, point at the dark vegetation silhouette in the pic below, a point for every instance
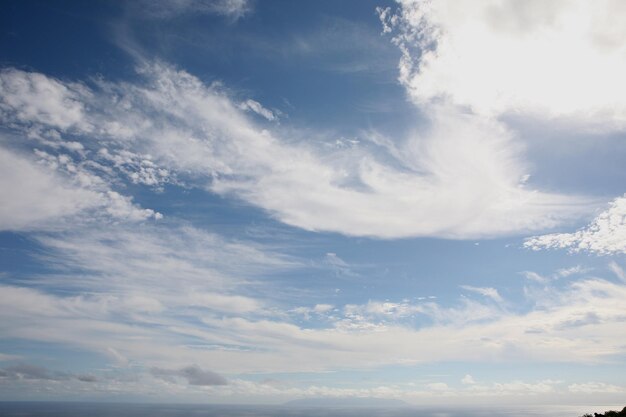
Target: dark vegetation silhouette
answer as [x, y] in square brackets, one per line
[608, 414]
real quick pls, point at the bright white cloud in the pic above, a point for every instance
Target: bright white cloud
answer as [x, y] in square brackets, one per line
[605, 235]
[559, 60]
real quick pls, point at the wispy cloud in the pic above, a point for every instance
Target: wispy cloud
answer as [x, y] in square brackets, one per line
[155, 257]
[617, 270]
[168, 9]
[462, 178]
[488, 292]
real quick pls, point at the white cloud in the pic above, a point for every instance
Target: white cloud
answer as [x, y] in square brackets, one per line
[338, 265]
[33, 97]
[322, 308]
[595, 388]
[257, 108]
[617, 270]
[574, 270]
[119, 277]
[319, 309]
[140, 169]
[224, 303]
[172, 260]
[43, 191]
[533, 276]
[167, 9]
[461, 177]
[556, 275]
[437, 386]
[558, 60]
[542, 387]
[485, 291]
[468, 380]
[605, 235]
[163, 279]
[111, 203]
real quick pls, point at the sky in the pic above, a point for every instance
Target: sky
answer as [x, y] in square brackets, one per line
[237, 201]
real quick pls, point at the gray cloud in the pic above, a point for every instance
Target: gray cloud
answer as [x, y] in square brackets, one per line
[585, 320]
[86, 378]
[193, 374]
[21, 371]
[28, 371]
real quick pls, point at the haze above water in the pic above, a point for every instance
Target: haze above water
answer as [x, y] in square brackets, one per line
[68, 409]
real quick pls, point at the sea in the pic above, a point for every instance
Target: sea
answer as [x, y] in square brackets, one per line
[84, 409]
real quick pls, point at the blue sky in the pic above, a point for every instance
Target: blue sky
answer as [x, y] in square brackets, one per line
[237, 201]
